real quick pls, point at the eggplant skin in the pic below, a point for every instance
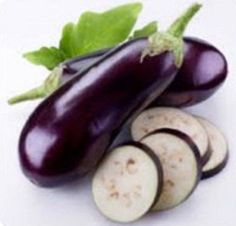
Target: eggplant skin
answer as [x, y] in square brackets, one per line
[212, 172]
[203, 72]
[69, 132]
[79, 64]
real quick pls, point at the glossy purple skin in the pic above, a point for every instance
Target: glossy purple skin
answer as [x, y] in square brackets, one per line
[68, 134]
[79, 64]
[203, 72]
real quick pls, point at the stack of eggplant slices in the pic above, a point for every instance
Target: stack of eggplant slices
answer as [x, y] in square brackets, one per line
[171, 151]
[138, 86]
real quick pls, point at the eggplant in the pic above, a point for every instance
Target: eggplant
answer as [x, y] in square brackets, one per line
[203, 72]
[69, 132]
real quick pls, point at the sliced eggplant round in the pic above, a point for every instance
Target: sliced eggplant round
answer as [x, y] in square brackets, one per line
[173, 118]
[219, 149]
[181, 164]
[128, 182]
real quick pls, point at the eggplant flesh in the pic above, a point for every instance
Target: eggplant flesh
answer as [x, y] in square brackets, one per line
[172, 118]
[127, 182]
[219, 149]
[203, 72]
[181, 164]
[69, 132]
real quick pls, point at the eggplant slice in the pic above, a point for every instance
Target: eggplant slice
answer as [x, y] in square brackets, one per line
[128, 182]
[219, 149]
[181, 164]
[173, 118]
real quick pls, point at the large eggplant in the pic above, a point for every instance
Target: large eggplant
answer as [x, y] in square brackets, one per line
[69, 132]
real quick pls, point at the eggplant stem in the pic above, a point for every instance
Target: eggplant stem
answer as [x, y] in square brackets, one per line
[33, 94]
[179, 26]
[172, 39]
[51, 83]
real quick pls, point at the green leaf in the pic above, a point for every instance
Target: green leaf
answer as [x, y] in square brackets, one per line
[146, 31]
[99, 30]
[93, 31]
[66, 40]
[48, 57]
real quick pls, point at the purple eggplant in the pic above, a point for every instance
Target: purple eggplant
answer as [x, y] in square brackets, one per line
[69, 132]
[203, 72]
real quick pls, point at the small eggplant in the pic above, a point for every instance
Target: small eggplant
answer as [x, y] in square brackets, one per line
[69, 132]
[203, 72]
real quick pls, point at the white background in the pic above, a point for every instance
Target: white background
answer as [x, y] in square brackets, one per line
[29, 24]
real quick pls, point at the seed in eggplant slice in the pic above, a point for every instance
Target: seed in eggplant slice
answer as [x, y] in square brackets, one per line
[219, 149]
[173, 118]
[128, 182]
[181, 164]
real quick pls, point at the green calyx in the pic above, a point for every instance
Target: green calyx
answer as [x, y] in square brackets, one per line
[163, 42]
[172, 39]
[52, 83]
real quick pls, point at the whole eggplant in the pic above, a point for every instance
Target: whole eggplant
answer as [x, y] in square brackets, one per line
[69, 132]
[203, 72]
